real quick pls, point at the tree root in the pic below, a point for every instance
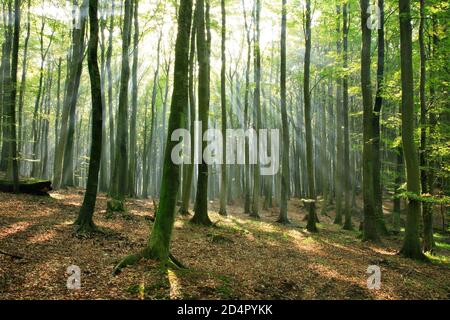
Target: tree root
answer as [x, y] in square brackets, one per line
[184, 213]
[127, 261]
[135, 258]
[284, 221]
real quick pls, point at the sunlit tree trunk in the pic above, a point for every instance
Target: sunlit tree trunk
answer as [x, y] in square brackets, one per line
[159, 240]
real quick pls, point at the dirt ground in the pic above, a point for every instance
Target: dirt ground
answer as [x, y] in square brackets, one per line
[239, 258]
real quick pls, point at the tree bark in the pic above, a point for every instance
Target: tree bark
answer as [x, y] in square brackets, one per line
[159, 241]
[201, 201]
[411, 245]
[370, 232]
[85, 221]
[283, 218]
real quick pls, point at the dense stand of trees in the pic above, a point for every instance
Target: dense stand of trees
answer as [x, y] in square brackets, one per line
[340, 86]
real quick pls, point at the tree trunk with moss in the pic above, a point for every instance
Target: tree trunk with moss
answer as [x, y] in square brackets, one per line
[159, 240]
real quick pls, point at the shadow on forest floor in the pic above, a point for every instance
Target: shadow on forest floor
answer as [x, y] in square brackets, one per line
[240, 258]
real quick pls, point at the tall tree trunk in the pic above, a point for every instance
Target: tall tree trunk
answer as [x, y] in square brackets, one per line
[246, 120]
[223, 100]
[345, 112]
[103, 182]
[85, 221]
[411, 246]
[427, 210]
[120, 178]
[283, 218]
[37, 103]
[311, 202]
[377, 188]
[201, 201]
[189, 169]
[257, 110]
[159, 240]
[134, 105]
[63, 166]
[339, 172]
[110, 95]
[58, 109]
[12, 98]
[6, 83]
[369, 226]
[20, 129]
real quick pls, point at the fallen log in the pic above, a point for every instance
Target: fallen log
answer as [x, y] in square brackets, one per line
[28, 186]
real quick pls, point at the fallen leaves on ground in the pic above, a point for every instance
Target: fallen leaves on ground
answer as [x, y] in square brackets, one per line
[239, 258]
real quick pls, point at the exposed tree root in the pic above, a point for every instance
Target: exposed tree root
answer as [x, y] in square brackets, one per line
[135, 258]
[184, 212]
[413, 254]
[284, 221]
[127, 261]
[201, 221]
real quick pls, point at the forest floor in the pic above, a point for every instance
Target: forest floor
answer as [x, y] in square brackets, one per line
[239, 258]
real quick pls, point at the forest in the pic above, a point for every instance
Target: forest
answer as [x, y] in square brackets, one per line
[224, 150]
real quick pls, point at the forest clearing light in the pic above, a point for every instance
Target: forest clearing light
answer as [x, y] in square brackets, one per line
[258, 142]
